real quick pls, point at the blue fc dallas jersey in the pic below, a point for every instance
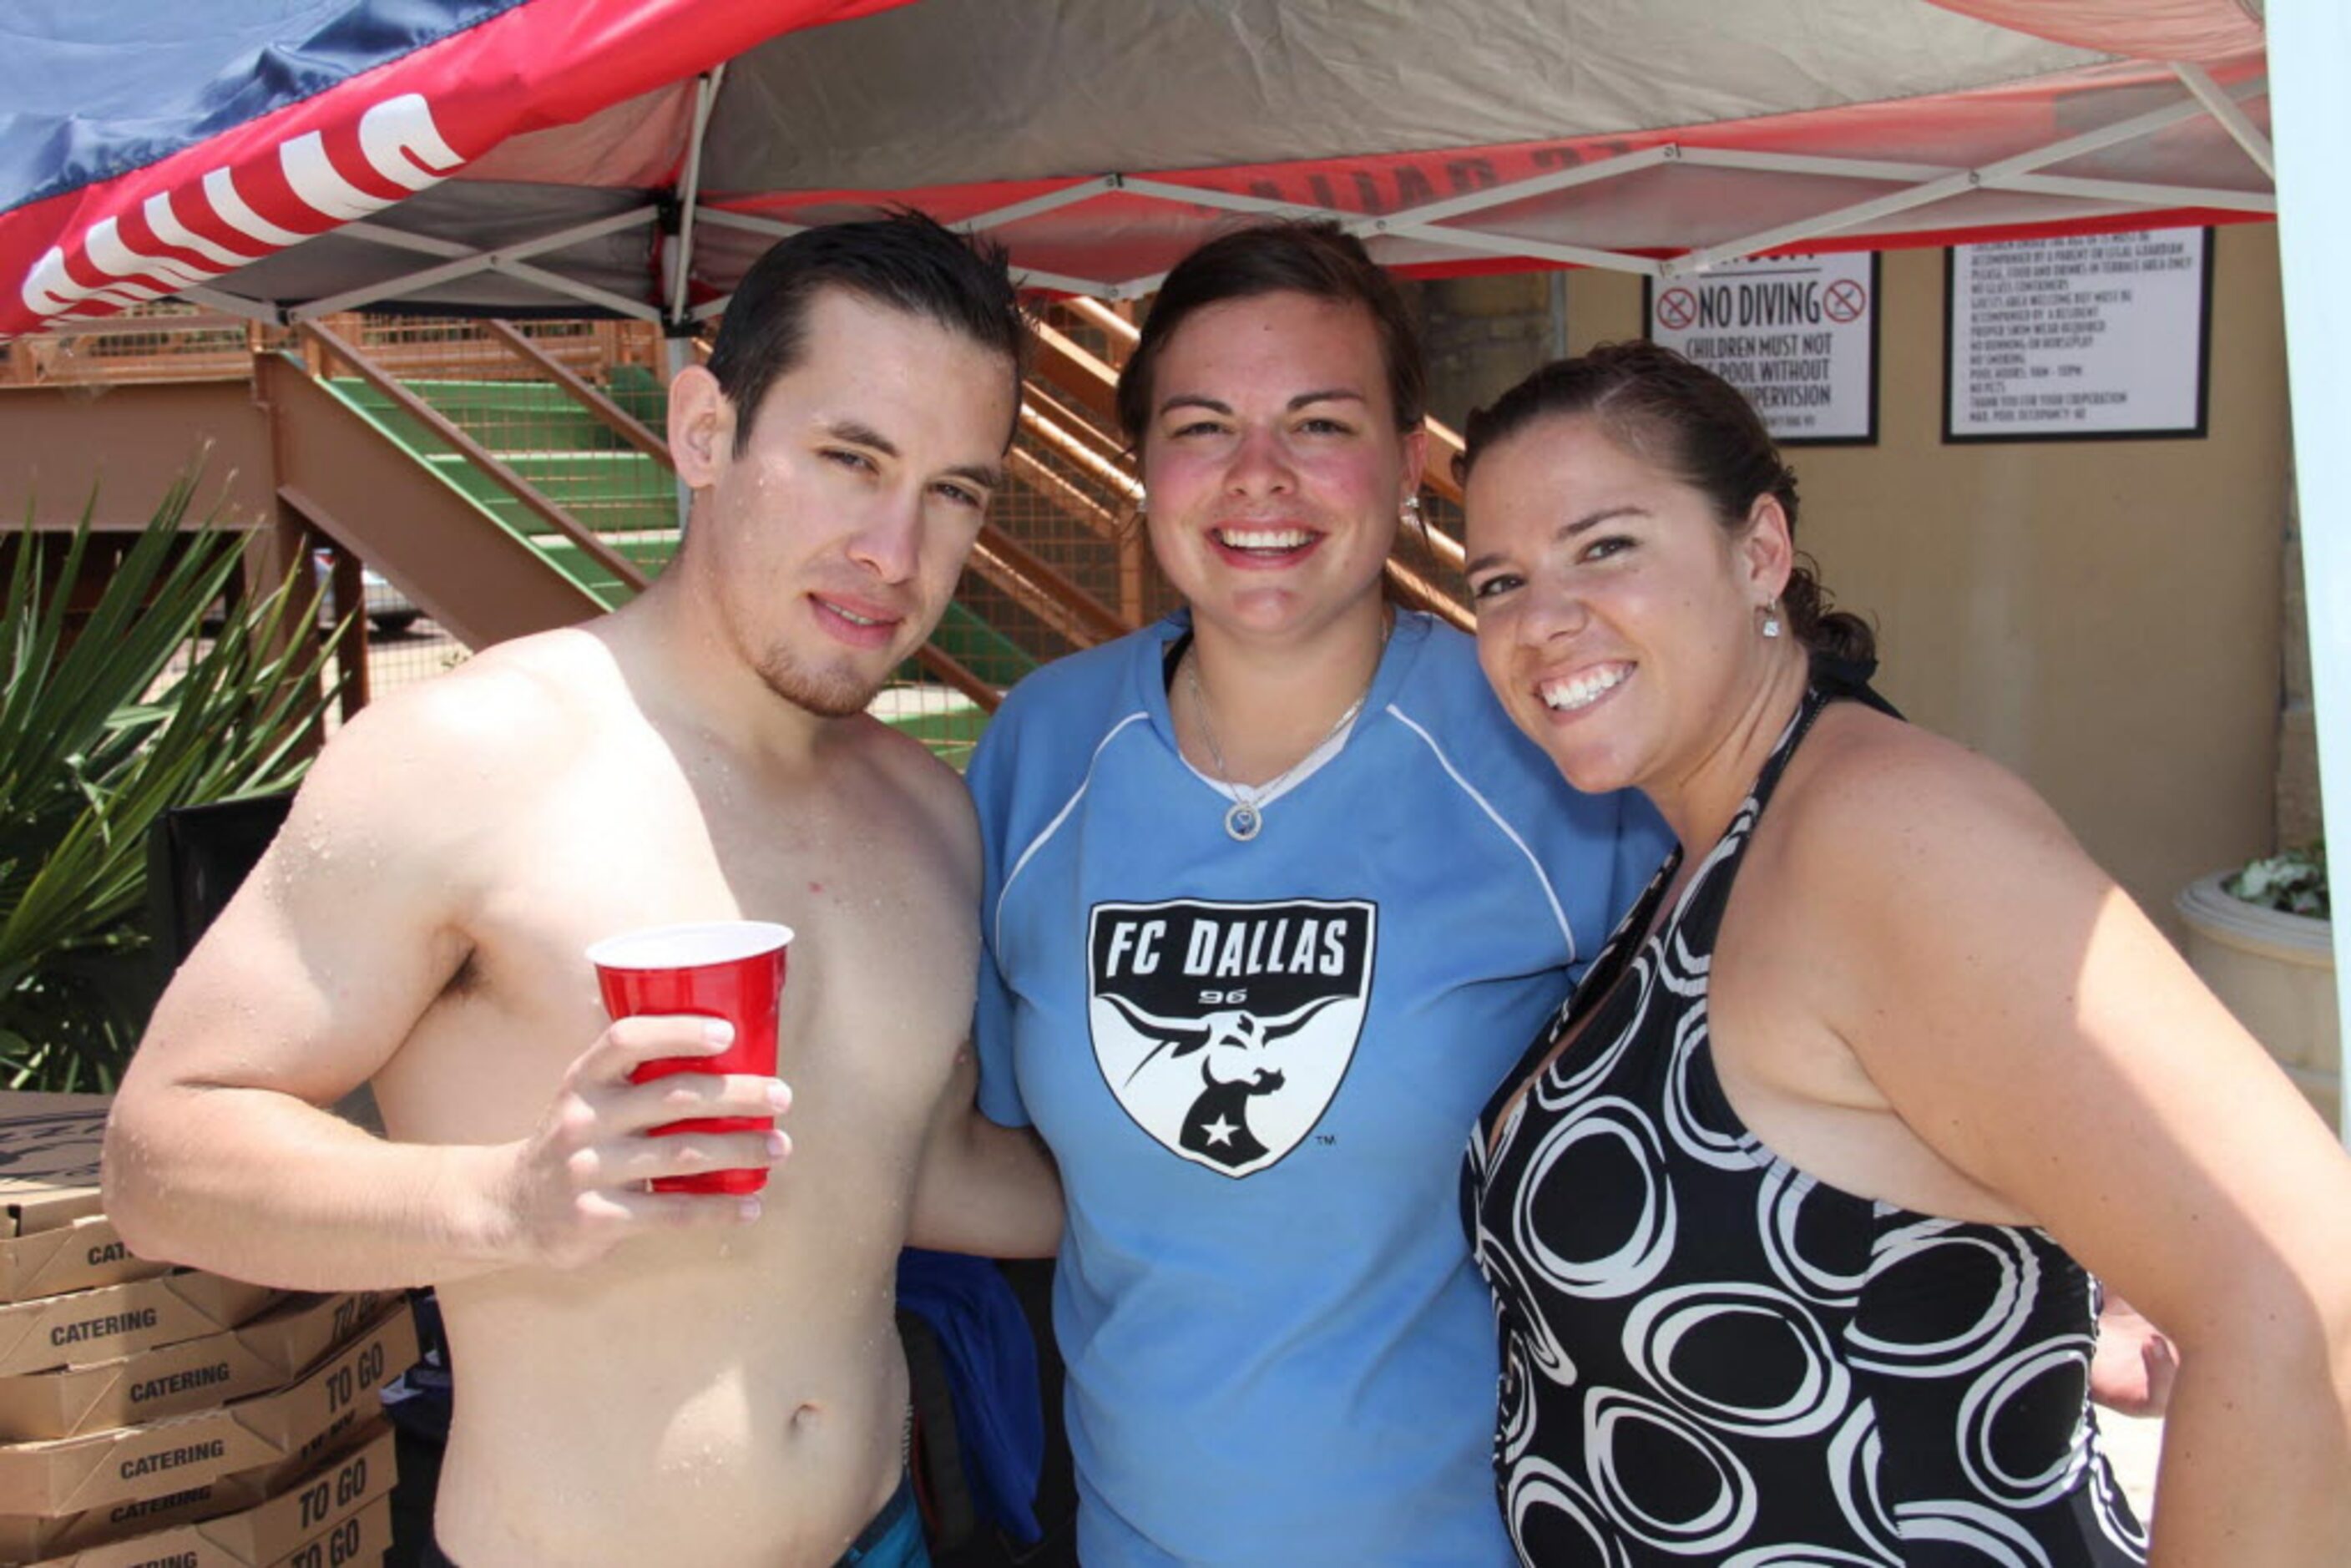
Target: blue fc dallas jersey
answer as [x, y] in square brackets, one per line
[1256, 1063]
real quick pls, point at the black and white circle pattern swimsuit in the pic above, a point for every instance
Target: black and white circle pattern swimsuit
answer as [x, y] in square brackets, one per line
[1708, 1356]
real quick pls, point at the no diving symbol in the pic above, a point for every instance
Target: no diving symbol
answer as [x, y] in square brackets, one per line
[1846, 300]
[1676, 309]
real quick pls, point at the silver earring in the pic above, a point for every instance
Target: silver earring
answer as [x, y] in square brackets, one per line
[1771, 619]
[1411, 509]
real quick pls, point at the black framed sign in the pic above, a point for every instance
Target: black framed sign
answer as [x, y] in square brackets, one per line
[1798, 334]
[2095, 337]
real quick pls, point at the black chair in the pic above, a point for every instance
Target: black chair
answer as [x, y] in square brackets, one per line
[196, 858]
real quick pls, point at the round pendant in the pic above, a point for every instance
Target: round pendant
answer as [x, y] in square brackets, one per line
[1242, 821]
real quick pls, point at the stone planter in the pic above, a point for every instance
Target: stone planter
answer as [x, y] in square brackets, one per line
[2276, 973]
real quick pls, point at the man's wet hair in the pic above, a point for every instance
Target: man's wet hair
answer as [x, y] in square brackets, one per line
[906, 261]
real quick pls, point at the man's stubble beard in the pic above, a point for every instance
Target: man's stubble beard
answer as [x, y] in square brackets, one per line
[826, 693]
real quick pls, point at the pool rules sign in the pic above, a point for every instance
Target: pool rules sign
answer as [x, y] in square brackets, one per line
[1798, 334]
[2070, 340]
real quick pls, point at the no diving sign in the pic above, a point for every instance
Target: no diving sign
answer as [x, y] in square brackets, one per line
[1798, 334]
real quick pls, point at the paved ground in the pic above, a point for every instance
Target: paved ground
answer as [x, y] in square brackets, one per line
[2132, 1445]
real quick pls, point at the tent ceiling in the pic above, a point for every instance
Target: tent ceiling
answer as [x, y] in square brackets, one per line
[945, 92]
[1102, 138]
[2195, 30]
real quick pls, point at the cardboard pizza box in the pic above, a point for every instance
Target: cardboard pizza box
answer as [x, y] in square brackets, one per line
[358, 1542]
[267, 1352]
[52, 1237]
[324, 1520]
[48, 1157]
[63, 1476]
[27, 1538]
[116, 1320]
[30, 1537]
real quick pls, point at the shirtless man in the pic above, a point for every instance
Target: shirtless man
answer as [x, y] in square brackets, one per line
[646, 1378]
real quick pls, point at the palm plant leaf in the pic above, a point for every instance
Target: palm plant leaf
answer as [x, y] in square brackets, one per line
[102, 731]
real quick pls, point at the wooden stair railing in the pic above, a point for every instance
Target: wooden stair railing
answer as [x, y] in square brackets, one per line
[1011, 567]
[611, 415]
[346, 476]
[390, 386]
[1062, 363]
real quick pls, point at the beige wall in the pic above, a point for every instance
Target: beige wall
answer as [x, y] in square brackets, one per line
[131, 442]
[2101, 616]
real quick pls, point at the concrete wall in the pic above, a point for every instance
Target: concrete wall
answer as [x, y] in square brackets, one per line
[131, 442]
[2103, 617]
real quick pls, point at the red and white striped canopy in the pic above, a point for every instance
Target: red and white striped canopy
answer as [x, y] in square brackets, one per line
[631, 156]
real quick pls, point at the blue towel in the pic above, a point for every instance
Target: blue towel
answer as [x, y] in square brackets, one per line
[991, 1379]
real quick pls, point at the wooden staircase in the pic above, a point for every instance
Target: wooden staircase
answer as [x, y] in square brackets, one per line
[509, 479]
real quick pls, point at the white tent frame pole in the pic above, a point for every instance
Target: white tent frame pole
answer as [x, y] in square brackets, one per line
[1051, 202]
[234, 305]
[706, 93]
[1227, 201]
[2233, 118]
[359, 229]
[1428, 223]
[1486, 244]
[1950, 185]
[677, 348]
[749, 223]
[1615, 168]
[1816, 163]
[500, 260]
[2213, 196]
[555, 282]
[2310, 51]
[401, 239]
[676, 354]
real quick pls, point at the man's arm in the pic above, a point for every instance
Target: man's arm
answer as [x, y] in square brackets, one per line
[982, 1187]
[218, 1152]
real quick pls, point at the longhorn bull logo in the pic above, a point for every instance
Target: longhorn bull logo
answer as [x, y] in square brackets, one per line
[1225, 1030]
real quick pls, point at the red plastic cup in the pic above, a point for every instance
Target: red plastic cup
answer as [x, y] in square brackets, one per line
[731, 969]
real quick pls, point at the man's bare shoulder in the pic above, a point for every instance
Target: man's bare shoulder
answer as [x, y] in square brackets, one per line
[433, 758]
[505, 705]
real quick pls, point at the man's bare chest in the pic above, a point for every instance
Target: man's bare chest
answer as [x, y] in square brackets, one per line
[880, 975]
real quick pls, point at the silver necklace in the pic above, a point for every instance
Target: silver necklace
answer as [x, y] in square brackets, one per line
[1245, 818]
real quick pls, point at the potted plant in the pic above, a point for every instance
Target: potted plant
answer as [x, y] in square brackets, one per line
[112, 712]
[2260, 938]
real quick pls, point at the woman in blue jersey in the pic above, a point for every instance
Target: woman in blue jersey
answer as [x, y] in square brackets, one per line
[1274, 892]
[1782, 1214]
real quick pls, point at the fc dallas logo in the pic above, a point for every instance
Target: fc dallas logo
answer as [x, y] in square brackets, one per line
[1225, 1029]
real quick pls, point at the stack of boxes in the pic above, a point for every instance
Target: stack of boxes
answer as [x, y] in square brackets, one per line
[157, 1417]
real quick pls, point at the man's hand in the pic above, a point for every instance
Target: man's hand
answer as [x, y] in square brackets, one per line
[578, 1187]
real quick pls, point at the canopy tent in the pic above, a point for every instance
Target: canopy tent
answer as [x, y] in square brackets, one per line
[284, 159]
[631, 156]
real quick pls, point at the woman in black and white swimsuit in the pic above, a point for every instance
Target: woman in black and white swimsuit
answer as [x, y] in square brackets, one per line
[1781, 1213]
